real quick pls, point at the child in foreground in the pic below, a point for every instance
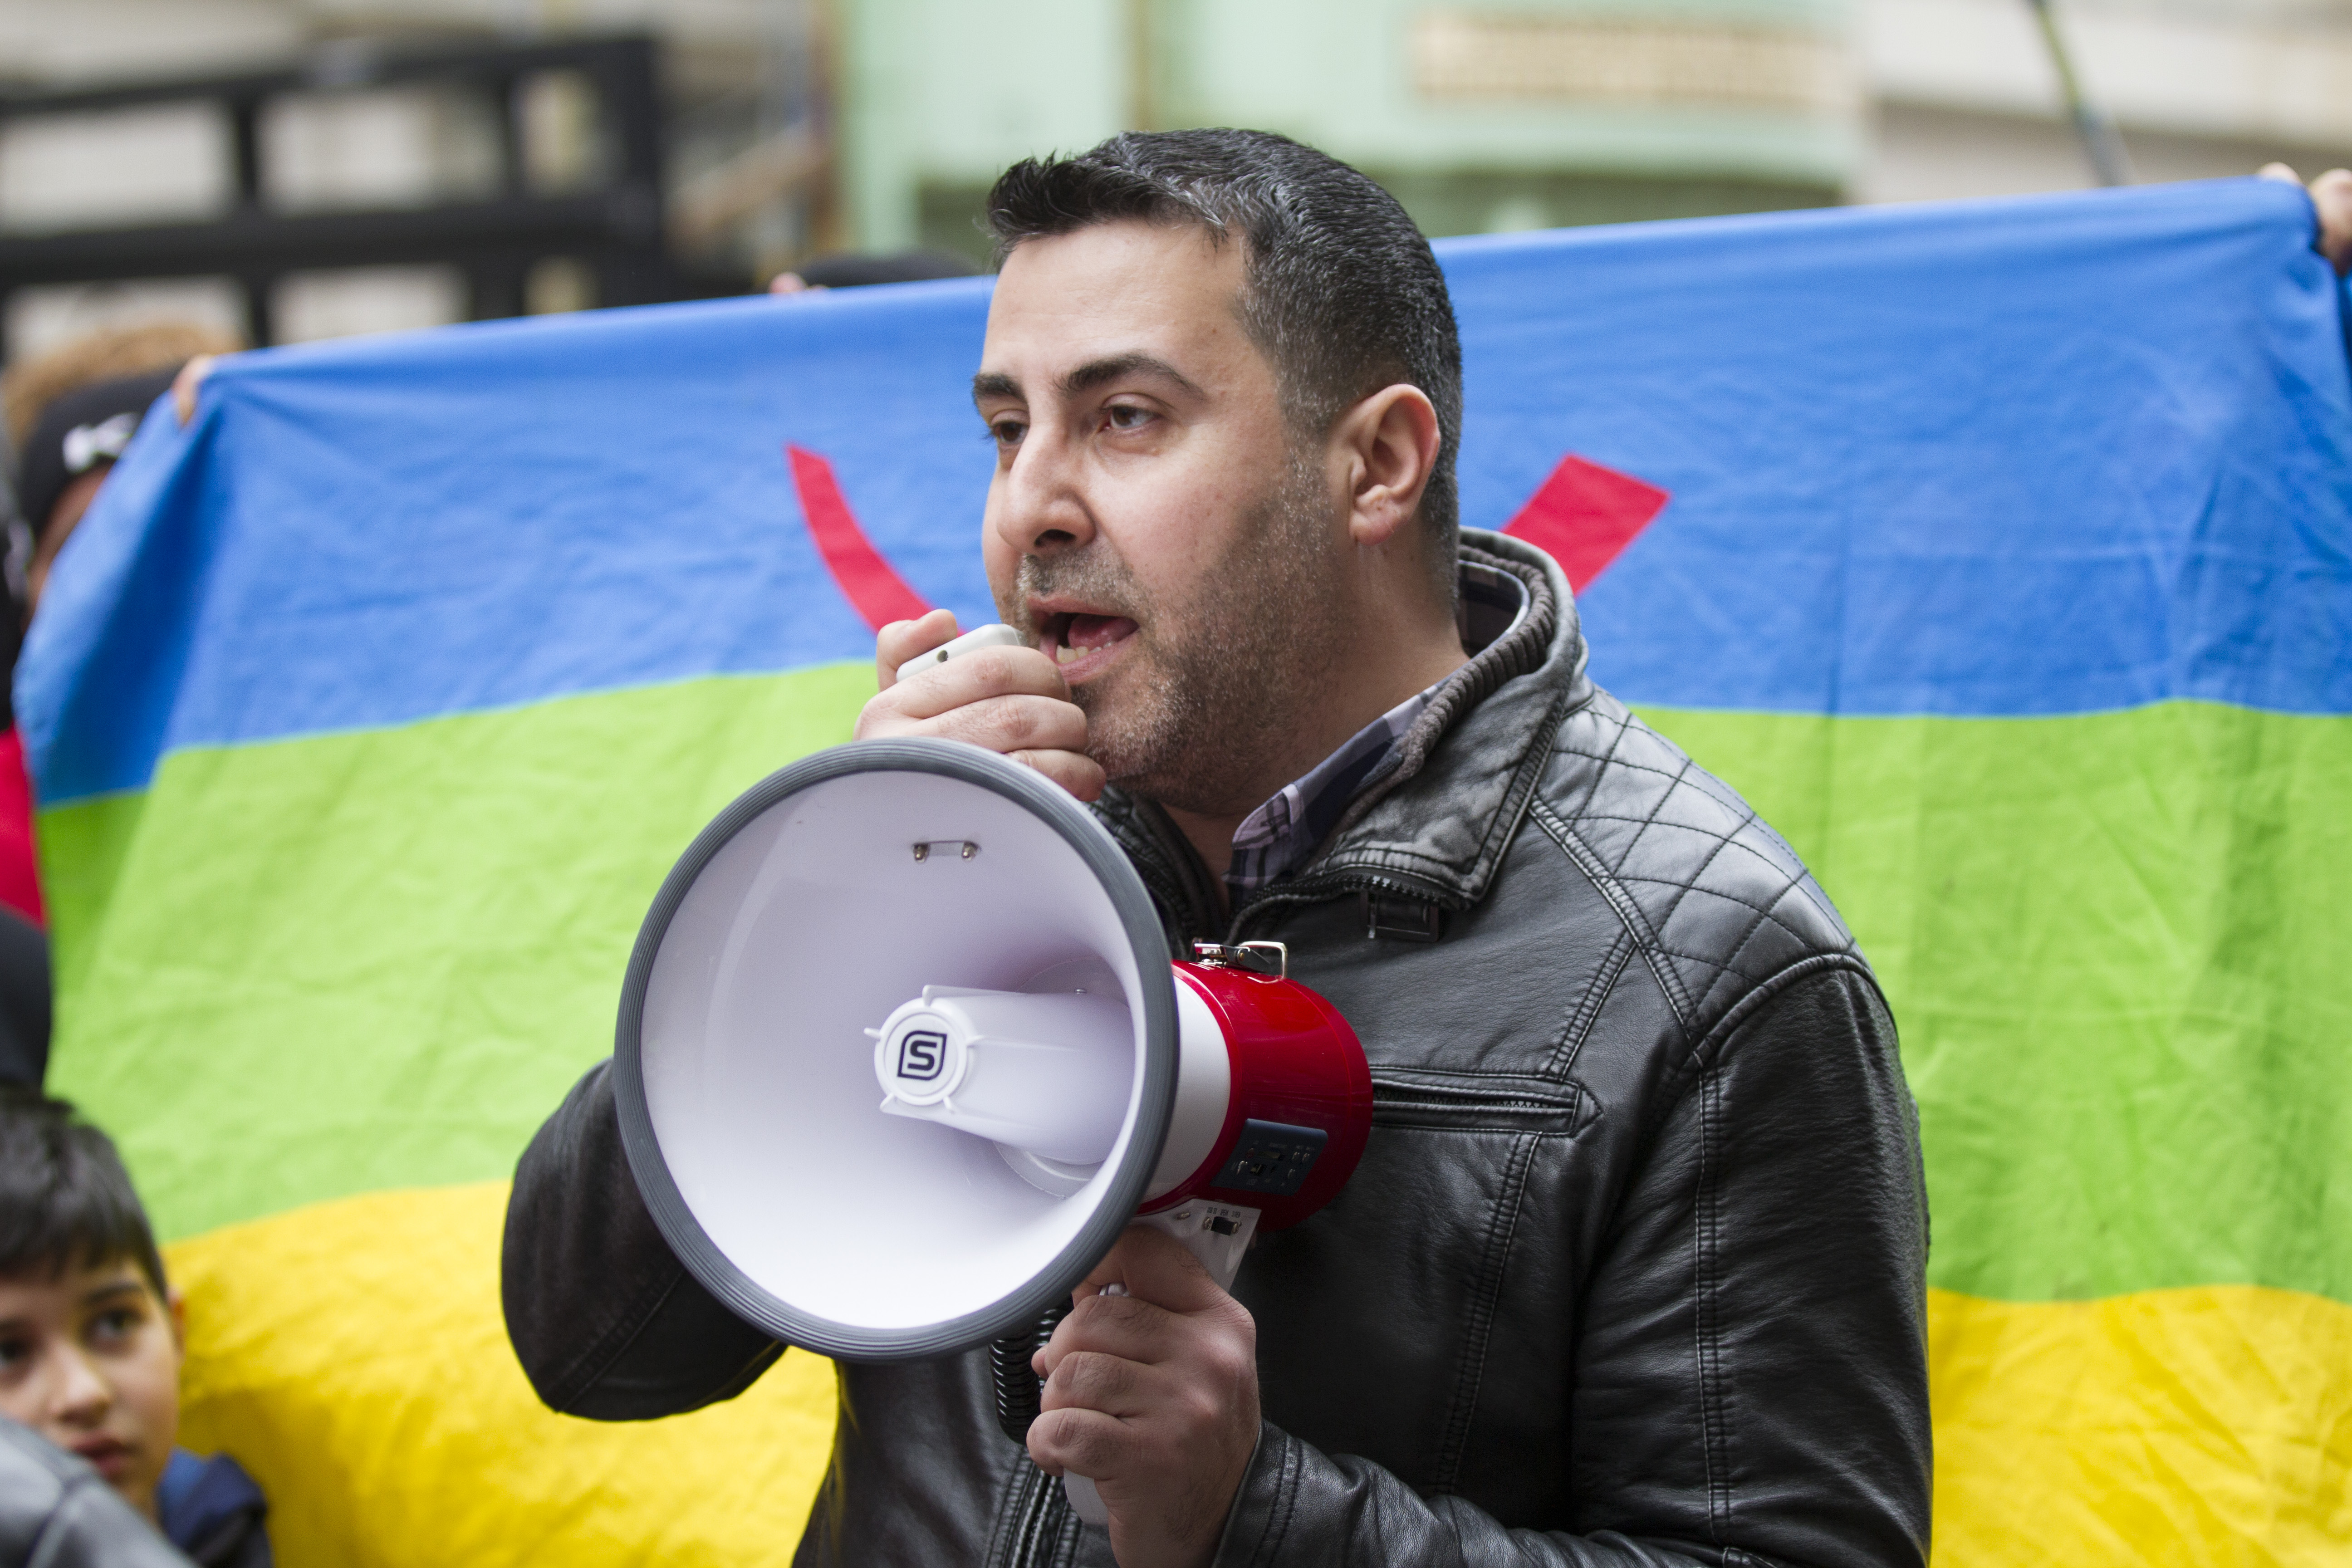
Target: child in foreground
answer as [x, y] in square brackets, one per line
[90, 1335]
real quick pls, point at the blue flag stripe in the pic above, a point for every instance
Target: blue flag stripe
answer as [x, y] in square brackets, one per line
[2051, 455]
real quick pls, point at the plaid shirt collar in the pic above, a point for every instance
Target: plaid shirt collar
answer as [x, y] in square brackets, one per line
[1282, 835]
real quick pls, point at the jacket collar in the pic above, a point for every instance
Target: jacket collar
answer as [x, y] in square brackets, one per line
[1435, 825]
[1439, 822]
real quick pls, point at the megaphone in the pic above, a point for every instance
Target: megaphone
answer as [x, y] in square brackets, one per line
[901, 1052]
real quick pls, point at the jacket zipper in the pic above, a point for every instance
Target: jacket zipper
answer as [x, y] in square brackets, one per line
[1037, 1529]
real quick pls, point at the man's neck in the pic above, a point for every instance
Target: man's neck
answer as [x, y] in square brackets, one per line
[1400, 670]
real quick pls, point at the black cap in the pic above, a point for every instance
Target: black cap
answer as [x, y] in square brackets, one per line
[86, 427]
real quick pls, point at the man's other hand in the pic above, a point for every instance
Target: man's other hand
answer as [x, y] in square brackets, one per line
[1009, 700]
[2332, 194]
[1153, 1394]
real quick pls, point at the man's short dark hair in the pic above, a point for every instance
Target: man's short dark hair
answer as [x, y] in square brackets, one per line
[1341, 291]
[65, 1199]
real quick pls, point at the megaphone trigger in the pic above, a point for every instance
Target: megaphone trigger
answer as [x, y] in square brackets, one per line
[1216, 1234]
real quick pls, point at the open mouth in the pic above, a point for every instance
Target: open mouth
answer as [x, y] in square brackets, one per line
[1081, 642]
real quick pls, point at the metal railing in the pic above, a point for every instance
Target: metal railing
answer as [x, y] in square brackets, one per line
[614, 228]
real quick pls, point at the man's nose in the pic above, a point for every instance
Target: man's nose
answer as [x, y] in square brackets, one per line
[1041, 502]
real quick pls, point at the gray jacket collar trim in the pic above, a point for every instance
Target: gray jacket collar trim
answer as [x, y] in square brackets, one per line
[1440, 819]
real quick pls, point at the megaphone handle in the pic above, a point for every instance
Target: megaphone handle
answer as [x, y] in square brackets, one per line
[1085, 1501]
[1216, 1234]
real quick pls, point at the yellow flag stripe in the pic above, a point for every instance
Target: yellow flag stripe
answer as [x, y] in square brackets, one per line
[351, 1354]
[2206, 1426]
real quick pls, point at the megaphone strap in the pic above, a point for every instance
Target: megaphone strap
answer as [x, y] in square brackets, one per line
[1258, 957]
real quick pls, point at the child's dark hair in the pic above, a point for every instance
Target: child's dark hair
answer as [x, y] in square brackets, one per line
[65, 1199]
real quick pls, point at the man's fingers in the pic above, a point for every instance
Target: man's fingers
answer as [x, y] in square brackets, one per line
[1041, 733]
[1156, 1268]
[1011, 700]
[1021, 722]
[2283, 172]
[1086, 1441]
[902, 640]
[1117, 1326]
[1011, 724]
[1092, 1380]
[976, 677]
[1076, 771]
[1165, 1285]
[2332, 194]
[1153, 1396]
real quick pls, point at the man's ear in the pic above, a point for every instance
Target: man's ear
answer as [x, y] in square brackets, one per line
[1390, 442]
[176, 1307]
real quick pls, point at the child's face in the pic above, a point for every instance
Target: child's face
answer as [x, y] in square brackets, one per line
[90, 1360]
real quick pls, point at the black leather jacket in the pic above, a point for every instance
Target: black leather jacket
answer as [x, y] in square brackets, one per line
[1633, 1270]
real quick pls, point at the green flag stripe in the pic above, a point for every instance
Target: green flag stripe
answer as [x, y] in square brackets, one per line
[2119, 950]
[378, 958]
[2115, 944]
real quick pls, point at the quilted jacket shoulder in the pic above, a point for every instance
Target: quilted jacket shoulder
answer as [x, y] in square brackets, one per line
[1717, 901]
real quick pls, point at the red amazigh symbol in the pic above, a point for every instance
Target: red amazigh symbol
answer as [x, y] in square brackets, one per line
[872, 587]
[1584, 515]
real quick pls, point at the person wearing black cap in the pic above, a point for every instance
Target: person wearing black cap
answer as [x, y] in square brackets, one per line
[68, 453]
[67, 458]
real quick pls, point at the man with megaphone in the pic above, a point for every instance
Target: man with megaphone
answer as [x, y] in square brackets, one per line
[1632, 1266]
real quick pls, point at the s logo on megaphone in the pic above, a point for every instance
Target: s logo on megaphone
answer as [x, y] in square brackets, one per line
[922, 1054]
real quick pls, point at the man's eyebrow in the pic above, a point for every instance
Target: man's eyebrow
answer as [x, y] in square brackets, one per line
[1094, 373]
[993, 384]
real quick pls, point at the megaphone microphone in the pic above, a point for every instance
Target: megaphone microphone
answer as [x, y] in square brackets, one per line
[900, 1053]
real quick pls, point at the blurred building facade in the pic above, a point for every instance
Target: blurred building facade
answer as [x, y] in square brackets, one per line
[1477, 117]
[797, 126]
[1965, 97]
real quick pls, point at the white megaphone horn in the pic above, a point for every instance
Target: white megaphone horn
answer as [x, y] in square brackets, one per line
[901, 1052]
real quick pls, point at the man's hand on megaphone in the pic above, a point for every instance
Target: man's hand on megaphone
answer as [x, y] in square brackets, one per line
[1009, 700]
[1152, 1395]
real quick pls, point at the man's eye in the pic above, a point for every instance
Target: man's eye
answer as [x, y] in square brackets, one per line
[1007, 432]
[1126, 416]
[14, 1351]
[114, 1323]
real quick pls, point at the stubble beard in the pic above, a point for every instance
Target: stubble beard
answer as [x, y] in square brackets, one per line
[1208, 690]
